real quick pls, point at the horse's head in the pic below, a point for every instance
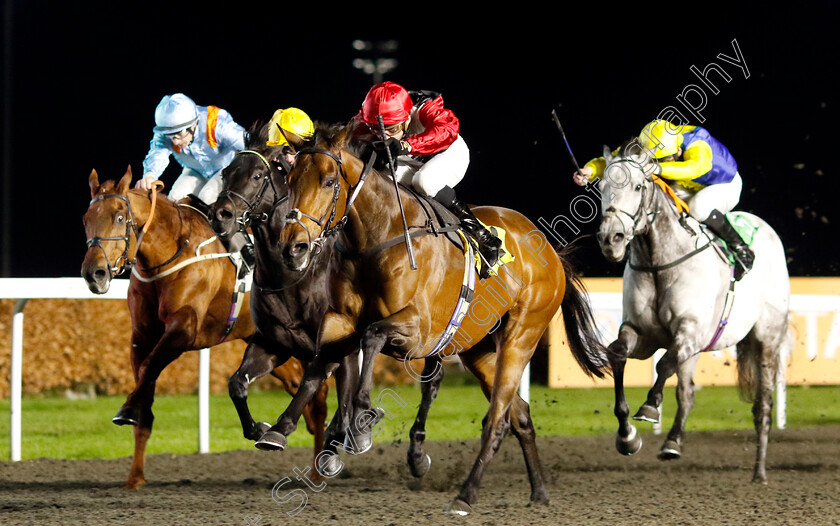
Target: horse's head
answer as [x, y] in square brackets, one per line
[626, 193]
[108, 222]
[253, 185]
[321, 184]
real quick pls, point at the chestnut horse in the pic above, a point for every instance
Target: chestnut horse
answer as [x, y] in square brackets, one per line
[379, 300]
[184, 310]
[288, 306]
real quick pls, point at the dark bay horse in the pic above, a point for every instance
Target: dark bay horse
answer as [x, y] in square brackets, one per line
[288, 306]
[680, 295]
[379, 301]
[184, 310]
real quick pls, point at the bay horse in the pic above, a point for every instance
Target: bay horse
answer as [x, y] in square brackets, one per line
[288, 306]
[379, 303]
[679, 294]
[171, 312]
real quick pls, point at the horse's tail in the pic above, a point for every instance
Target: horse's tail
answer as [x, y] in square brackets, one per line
[581, 330]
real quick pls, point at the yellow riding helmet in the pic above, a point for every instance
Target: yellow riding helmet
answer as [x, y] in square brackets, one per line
[661, 138]
[291, 120]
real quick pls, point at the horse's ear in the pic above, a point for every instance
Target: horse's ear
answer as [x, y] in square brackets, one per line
[343, 137]
[125, 182]
[607, 154]
[93, 181]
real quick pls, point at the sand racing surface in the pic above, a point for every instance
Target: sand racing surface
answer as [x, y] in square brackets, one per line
[589, 483]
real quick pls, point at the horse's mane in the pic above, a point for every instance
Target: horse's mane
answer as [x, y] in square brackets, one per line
[339, 135]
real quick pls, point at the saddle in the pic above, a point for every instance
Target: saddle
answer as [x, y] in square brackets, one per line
[440, 220]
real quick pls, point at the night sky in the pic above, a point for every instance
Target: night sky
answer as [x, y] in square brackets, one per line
[85, 81]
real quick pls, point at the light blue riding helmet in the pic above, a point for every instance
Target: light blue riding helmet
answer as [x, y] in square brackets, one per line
[175, 113]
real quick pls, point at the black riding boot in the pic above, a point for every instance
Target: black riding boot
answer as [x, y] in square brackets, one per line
[488, 244]
[744, 255]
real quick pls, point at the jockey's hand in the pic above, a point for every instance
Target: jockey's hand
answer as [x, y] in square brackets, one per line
[396, 147]
[582, 177]
[145, 183]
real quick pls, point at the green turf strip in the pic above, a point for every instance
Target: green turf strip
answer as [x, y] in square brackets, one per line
[61, 428]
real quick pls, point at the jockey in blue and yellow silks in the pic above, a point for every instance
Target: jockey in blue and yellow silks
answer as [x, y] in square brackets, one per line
[702, 172]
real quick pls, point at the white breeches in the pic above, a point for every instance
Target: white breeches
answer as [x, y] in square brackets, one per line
[723, 197]
[191, 182]
[444, 169]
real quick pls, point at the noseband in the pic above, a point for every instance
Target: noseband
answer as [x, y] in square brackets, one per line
[326, 220]
[641, 211]
[248, 215]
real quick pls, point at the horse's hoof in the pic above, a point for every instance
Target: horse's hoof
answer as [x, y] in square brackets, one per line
[357, 444]
[670, 450]
[418, 469]
[257, 432]
[271, 441]
[647, 413]
[459, 507]
[126, 417]
[628, 445]
[134, 483]
[330, 466]
[760, 478]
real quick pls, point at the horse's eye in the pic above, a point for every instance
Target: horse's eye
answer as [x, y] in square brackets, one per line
[120, 219]
[329, 183]
[638, 187]
[257, 177]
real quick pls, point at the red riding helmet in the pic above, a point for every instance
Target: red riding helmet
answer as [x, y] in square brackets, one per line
[389, 100]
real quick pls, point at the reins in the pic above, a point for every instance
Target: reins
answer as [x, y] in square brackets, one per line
[643, 209]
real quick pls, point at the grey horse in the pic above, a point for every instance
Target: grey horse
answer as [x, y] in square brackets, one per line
[679, 294]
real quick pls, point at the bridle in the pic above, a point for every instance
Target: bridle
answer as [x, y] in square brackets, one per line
[249, 215]
[641, 211]
[130, 226]
[326, 220]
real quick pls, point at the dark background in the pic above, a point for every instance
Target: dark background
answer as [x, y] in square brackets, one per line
[85, 78]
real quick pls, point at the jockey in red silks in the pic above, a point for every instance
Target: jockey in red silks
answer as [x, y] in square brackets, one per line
[701, 171]
[428, 150]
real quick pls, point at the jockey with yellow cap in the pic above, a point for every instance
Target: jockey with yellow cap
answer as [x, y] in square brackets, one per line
[290, 128]
[429, 153]
[203, 140]
[702, 172]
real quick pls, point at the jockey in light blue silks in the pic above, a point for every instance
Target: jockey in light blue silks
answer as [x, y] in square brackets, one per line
[701, 171]
[203, 139]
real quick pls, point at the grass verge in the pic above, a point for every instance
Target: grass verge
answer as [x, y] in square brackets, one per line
[62, 428]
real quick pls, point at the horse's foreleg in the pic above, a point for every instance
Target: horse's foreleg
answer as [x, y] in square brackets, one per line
[137, 476]
[418, 461]
[256, 363]
[137, 409]
[327, 463]
[672, 448]
[649, 411]
[627, 440]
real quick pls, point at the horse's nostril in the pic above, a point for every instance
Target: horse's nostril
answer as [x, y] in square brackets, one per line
[223, 214]
[298, 249]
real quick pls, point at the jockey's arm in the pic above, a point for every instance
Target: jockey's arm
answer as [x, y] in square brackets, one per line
[155, 162]
[228, 133]
[697, 160]
[441, 128]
